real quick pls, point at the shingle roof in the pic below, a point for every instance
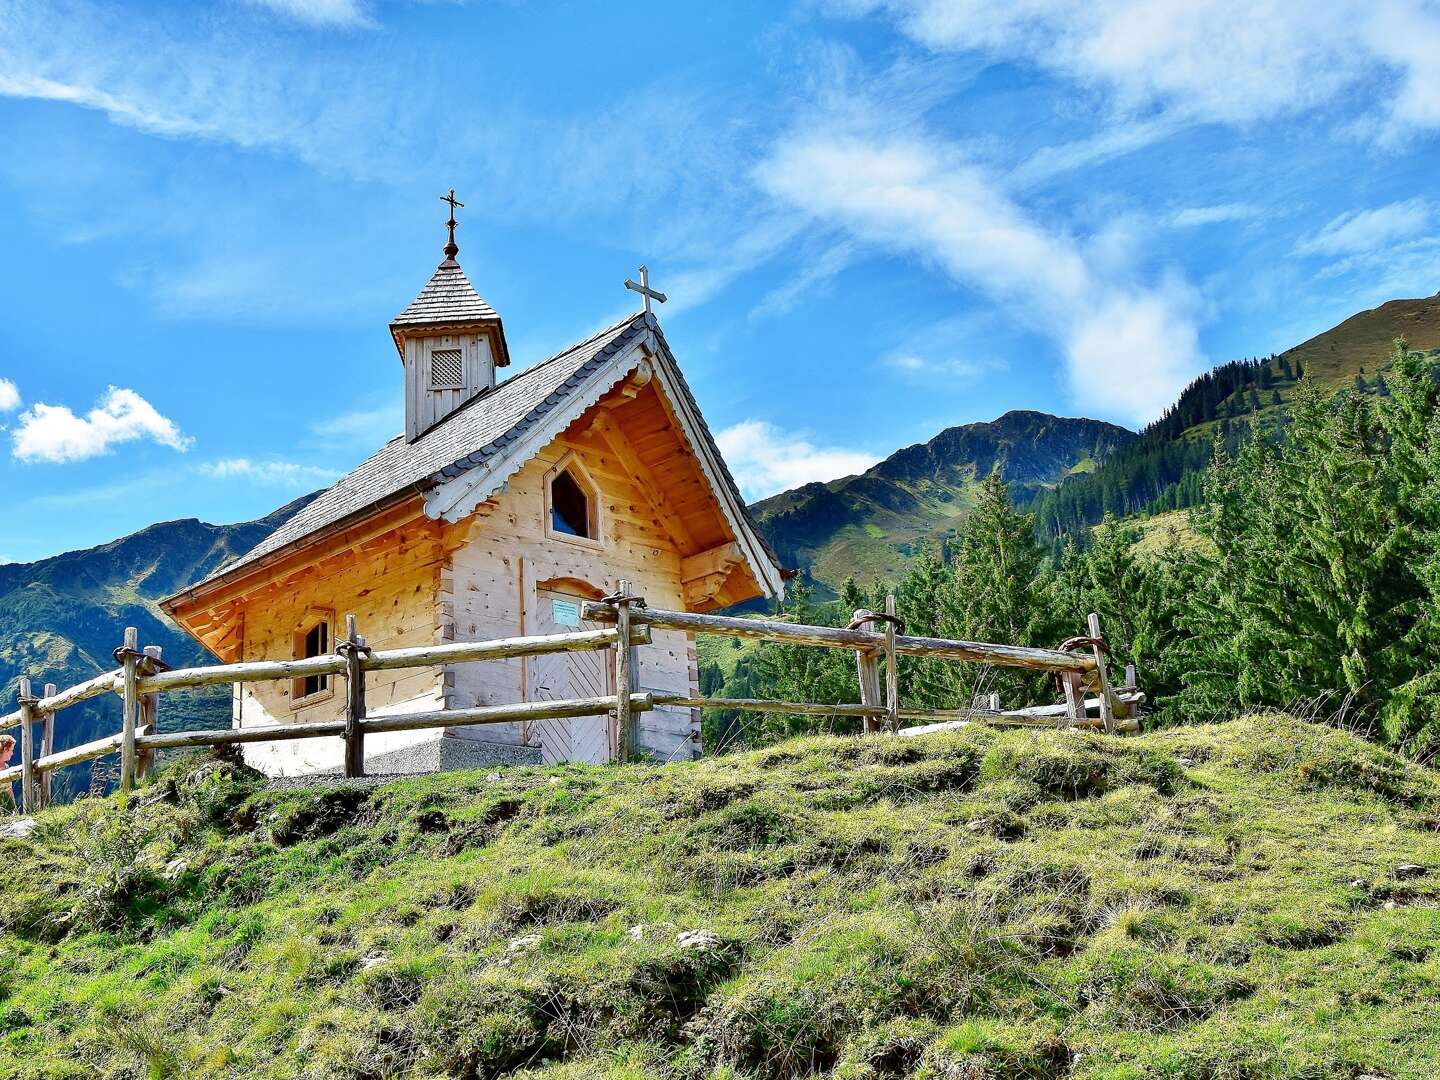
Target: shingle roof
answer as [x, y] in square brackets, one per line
[474, 433]
[479, 431]
[448, 297]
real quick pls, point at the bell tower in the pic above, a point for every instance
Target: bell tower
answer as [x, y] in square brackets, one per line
[450, 342]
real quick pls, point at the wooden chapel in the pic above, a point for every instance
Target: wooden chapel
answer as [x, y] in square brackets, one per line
[503, 506]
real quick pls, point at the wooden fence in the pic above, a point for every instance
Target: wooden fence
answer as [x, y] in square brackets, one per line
[142, 677]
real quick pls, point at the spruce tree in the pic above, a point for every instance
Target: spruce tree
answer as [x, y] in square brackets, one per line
[999, 592]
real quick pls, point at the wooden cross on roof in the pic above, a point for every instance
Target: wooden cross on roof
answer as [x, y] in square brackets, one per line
[643, 288]
[451, 248]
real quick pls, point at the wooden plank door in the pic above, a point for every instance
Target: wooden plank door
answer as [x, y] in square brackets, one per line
[560, 676]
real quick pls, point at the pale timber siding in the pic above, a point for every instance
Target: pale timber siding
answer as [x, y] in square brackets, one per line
[494, 577]
[392, 591]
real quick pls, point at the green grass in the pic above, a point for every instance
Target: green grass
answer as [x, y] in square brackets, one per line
[1213, 902]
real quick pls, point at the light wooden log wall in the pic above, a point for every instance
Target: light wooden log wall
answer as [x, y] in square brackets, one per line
[390, 584]
[490, 589]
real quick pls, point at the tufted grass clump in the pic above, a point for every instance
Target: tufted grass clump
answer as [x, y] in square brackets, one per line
[1200, 903]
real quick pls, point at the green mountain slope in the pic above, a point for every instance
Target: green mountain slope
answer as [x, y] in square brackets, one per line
[1161, 470]
[868, 525]
[61, 618]
[1202, 903]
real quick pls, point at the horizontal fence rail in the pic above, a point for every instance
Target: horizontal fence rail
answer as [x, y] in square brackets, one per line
[834, 638]
[142, 678]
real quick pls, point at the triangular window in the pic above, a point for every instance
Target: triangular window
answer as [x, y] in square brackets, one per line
[571, 509]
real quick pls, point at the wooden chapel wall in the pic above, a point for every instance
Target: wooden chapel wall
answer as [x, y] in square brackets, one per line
[391, 585]
[489, 590]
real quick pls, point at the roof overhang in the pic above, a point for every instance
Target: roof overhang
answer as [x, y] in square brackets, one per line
[491, 328]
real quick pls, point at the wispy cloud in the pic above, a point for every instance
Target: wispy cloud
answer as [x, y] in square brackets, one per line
[766, 459]
[9, 396]
[1361, 231]
[367, 427]
[1226, 61]
[214, 78]
[1195, 216]
[321, 12]
[952, 367]
[52, 433]
[1128, 348]
[1112, 141]
[655, 165]
[812, 278]
[270, 472]
[946, 350]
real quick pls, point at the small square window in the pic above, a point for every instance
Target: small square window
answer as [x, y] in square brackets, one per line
[312, 640]
[447, 370]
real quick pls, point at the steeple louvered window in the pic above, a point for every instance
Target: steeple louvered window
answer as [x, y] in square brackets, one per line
[447, 370]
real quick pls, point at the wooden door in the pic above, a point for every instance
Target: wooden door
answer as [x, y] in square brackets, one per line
[561, 676]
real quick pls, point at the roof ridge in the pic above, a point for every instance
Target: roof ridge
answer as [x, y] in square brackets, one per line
[571, 348]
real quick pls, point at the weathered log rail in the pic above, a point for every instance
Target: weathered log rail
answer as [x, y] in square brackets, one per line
[1116, 708]
[142, 678]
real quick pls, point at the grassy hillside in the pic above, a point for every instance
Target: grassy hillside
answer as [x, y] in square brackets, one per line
[1364, 340]
[61, 618]
[869, 525]
[1201, 903]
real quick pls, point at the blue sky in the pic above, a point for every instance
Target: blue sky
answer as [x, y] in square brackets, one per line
[875, 218]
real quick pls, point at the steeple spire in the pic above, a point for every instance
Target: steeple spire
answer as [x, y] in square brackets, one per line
[451, 248]
[449, 339]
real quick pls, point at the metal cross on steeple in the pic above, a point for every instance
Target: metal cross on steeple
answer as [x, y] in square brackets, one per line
[643, 288]
[451, 248]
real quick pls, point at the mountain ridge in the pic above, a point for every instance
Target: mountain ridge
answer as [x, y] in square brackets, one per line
[873, 521]
[61, 617]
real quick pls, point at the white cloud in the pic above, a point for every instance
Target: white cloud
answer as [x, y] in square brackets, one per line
[765, 459]
[271, 472]
[321, 12]
[1363, 231]
[55, 434]
[9, 396]
[1194, 216]
[1228, 61]
[1129, 348]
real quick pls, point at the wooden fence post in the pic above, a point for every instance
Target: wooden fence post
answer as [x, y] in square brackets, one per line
[1130, 683]
[47, 745]
[1107, 710]
[892, 669]
[149, 713]
[129, 657]
[28, 791]
[1074, 696]
[867, 670]
[624, 675]
[353, 649]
